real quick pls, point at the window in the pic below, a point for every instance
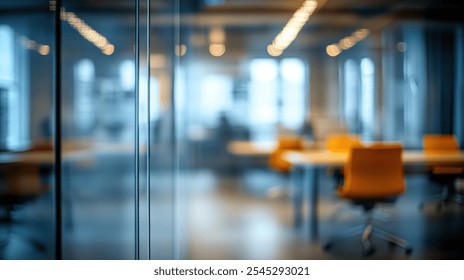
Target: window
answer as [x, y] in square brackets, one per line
[84, 112]
[350, 100]
[368, 118]
[358, 99]
[14, 129]
[293, 93]
[216, 97]
[277, 96]
[263, 96]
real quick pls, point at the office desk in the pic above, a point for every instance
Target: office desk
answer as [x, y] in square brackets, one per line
[311, 163]
[256, 148]
[251, 148]
[44, 157]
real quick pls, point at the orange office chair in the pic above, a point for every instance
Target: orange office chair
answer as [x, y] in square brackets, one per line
[442, 175]
[277, 163]
[341, 143]
[372, 175]
[285, 143]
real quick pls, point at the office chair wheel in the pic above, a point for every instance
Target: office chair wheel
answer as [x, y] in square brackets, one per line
[408, 251]
[369, 251]
[421, 206]
[327, 246]
[3, 243]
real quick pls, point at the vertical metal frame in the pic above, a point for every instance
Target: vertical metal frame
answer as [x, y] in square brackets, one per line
[57, 133]
[148, 131]
[139, 45]
[136, 136]
[176, 163]
[459, 86]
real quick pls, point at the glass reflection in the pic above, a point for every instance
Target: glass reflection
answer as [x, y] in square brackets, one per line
[190, 119]
[98, 122]
[26, 151]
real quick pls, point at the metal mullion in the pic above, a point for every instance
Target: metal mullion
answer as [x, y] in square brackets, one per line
[148, 132]
[57, 133]
[136, 132]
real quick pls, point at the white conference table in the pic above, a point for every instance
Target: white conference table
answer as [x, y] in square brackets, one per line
[311, 162]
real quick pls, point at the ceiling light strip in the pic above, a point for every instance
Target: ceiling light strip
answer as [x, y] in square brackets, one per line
[88, 32]
[33, 45]
[292, 28]
[348, 42]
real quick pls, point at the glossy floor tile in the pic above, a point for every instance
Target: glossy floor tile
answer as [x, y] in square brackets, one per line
[231, 217]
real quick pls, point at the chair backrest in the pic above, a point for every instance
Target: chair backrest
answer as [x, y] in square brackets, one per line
[374, 172]
[440, 143]
[342, 143]
[285, 143]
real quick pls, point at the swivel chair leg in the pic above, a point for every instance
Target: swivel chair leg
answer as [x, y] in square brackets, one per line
[345, 235]
[394, 240]
[368, 249]
[449, 194]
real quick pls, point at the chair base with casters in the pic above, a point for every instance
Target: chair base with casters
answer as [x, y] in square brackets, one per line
[448, 195]
[20, 185]
[444, 176]
[444, 198]
[366, 231]
[7, 222]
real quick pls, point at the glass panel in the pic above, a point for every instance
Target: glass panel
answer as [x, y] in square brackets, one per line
[119, 109]
[164, 134]
[170, 109]
[26, 151]
[98, 103]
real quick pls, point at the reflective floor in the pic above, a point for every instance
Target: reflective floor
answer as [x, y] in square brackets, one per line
[235, 220]
[231, 217]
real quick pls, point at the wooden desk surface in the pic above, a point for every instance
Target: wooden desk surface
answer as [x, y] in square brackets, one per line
[250, 148]
[327, 158]
[44, 157]
[73, 152]
[255, 148]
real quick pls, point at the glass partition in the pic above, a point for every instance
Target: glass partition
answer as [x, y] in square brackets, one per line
[142, 129]
[118, 130]
[98, 111]
[118, 67]
[26, 131]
